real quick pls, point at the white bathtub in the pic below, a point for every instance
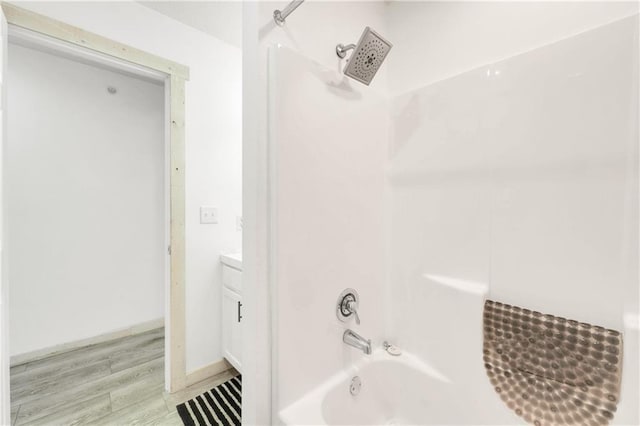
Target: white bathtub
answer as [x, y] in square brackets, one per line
[396, 391]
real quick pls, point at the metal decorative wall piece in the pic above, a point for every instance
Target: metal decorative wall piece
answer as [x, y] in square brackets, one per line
[551, 370]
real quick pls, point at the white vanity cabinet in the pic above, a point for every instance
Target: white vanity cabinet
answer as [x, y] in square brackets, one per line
[232, 309]
[231, 331]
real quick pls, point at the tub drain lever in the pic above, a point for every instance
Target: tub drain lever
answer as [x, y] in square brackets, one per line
[391, 349]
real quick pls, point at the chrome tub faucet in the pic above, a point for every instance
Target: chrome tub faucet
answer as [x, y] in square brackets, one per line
[355, 340]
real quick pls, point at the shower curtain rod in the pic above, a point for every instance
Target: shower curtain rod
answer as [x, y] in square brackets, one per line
[280, 15]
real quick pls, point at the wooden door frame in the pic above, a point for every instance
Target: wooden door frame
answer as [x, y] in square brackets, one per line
[175, 77]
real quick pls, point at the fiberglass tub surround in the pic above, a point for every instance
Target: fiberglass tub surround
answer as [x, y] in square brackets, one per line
[520, 175]
[516, 181]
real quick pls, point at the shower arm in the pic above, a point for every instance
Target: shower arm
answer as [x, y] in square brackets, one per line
[281, 15]
[341, 49]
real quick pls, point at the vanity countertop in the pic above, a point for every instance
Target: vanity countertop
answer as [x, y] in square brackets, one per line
[232, 259]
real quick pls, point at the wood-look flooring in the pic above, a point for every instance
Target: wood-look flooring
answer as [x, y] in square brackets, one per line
[120, 382]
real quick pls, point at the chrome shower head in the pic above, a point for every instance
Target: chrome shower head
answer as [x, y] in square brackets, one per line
[367, 57]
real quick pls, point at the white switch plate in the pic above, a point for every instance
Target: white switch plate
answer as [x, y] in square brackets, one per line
[208, 214]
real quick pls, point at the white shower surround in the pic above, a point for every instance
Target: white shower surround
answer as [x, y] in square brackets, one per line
[547, 139]
[522, 175]
[329, 220]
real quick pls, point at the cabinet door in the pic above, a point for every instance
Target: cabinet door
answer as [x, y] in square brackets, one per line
[231, 327]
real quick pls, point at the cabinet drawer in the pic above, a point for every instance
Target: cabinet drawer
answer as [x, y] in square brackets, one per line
[232, 279]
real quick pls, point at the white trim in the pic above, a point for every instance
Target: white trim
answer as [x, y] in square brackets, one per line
[208, 371]
[272, 208]
[256, 339]
[5, 379]
[69, 346]
[39, 41]
[176, 315]
[43, 24]
[167, 231]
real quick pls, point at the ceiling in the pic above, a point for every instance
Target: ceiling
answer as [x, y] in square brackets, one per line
[221, 19]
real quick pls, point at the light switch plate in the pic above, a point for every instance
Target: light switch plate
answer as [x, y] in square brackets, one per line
[208, 215]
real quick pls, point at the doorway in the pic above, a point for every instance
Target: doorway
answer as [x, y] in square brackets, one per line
[89, 48]
[87, 223]
[85, 195]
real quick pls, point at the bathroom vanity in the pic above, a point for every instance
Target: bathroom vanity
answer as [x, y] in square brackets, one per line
[232, 309]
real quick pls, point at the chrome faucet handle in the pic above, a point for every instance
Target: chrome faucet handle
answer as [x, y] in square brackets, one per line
[347, 305]
[352, 306]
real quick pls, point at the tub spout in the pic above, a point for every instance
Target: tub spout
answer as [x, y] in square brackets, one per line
[353, 339]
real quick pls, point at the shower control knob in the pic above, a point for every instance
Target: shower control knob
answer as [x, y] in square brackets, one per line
[347, 306]
[352, 307]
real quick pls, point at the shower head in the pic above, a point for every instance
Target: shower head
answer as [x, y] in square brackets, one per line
[367, 57]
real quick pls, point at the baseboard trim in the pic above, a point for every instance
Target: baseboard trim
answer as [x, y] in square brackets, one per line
[208, 371]
[65, 347]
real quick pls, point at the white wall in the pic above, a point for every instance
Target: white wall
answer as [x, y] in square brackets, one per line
[85, 195]
[220, 19]
[518, 181]
[213, 145]
[437, 40]
[313, 30]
